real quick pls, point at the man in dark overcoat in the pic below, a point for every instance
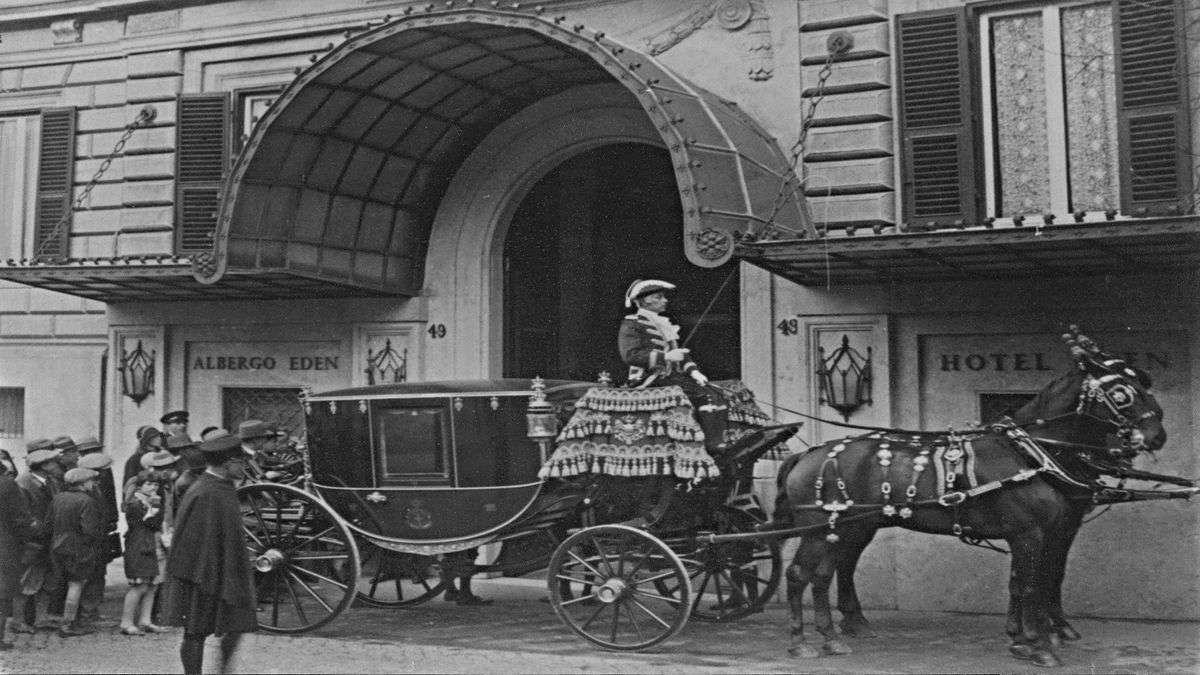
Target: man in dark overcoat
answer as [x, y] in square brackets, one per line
[210, 585]
[38, 487]
[15, 527]
[92, 457]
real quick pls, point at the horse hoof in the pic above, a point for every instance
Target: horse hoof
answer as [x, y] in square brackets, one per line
[836, 648]
[1067, 633]
[1046, 658]
[857, 629]
[803, 651]
[1021, 651]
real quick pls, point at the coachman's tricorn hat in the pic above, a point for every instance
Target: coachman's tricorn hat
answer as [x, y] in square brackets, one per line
[641, 287]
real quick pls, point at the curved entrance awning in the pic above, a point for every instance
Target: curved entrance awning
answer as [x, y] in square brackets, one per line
[342, 178]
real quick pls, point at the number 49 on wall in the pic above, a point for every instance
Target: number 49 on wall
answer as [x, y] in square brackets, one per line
[436, 330]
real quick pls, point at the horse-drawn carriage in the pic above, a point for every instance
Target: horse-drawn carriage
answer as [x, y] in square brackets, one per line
[399, 477]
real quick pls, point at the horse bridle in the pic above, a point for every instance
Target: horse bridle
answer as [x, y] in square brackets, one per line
[1116, 396]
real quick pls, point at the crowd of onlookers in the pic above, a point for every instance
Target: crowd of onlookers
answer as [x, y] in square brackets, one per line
[59, 521]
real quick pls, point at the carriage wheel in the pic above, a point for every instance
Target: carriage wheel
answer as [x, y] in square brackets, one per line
[393, 579]
[602, 585]
[730, 580]
[305, 559]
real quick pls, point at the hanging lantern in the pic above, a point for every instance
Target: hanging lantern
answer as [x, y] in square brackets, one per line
[845, 378]
[387, 366]
[137, 374]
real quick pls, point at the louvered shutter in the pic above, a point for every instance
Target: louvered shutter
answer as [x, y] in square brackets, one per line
[937, 127]
[55, 184]
[201, 157]
[1152, 106]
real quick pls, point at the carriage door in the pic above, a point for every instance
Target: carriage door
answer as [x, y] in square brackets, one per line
[584, 232]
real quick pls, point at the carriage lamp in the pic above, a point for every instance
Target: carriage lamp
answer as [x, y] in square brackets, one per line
[137, 374]
[845, 378]
[542, 423]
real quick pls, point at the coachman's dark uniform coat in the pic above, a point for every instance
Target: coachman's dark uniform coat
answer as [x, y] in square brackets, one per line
[210, 585]
[16, 526]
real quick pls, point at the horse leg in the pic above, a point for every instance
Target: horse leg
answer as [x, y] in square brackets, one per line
[1028, 568]
[1058, 549]
[799, 573]
[822, 579]
[853, 624]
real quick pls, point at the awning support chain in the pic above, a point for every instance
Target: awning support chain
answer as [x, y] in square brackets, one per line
[145, 116]
[838, 44]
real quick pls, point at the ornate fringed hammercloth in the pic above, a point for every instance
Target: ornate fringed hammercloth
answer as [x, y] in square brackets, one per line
[745, 416]
[632, 432]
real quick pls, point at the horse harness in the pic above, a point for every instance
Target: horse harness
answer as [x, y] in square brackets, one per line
[952, 457]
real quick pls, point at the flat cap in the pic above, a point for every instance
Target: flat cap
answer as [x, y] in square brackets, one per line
[64, 443]
[39, 444]
[95, 461]
[88, 444]
[33, 459]
[174, 417]
[77, 475]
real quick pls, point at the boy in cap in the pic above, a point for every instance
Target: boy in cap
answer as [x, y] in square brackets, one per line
[38, 487]
[174, 423]
[16, 525]
[78, 535]
[210, 586]
[105, 493]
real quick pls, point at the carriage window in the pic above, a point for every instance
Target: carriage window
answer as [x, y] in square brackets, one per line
[412, 445]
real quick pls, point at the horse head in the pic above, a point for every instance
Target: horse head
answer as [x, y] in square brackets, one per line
[1102, 395]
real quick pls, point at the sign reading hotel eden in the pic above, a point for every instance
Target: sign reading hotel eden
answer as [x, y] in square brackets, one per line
[287, 362]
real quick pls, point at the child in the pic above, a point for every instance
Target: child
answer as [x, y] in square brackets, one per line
[144, 516]
[77, 525]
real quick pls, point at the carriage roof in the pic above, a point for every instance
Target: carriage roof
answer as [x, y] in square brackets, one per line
[555, 389]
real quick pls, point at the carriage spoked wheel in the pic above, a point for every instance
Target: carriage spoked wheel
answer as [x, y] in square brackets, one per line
[393, 579]
[603, 585]
[304, 556]
[729, 580]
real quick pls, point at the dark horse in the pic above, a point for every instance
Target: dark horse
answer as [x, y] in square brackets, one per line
[1027, 482]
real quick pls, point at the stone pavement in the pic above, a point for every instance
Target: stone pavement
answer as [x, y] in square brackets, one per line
[520, 633]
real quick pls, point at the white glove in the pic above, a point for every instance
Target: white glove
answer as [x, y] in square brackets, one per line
[676, 355]
[699, 378]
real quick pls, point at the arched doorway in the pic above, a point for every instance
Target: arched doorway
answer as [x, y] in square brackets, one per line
[585, 230]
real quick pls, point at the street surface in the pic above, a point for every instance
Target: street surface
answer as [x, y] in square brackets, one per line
[520, 634]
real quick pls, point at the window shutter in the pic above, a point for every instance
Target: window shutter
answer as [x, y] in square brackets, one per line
[937, 129]
[1152, 107]
[55, 183]
[201, 157]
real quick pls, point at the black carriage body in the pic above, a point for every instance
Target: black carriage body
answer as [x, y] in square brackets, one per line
[435, 464]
